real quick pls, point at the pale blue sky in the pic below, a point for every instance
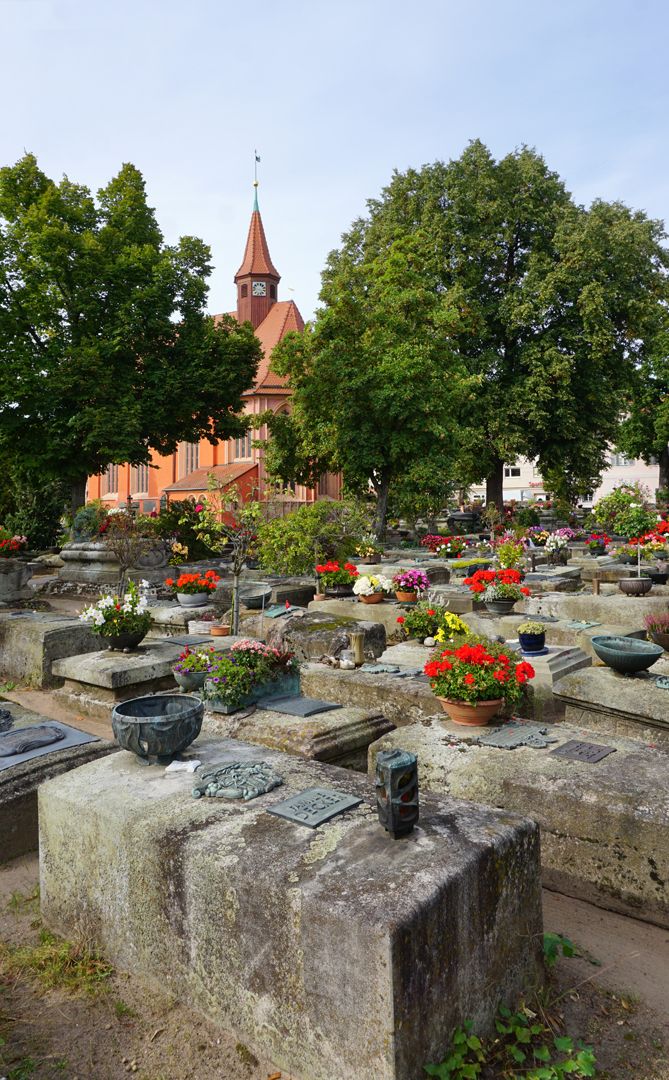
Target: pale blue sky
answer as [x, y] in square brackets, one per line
[334, 96]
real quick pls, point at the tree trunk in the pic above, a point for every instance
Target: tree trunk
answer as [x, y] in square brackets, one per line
[664, 469]
[382, 489]
[494, 485]
[235, 602]
[77, 495]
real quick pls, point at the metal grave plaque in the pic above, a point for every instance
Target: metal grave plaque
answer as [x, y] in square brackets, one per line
[314, 806]
[583, 751]
[516, 733]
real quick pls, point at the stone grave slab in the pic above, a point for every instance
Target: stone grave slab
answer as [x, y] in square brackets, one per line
[334, 953]
[301, 706]
[385, 613]
[614, 610]
[557, 662]
[22, 776]
[401, 701]
[67, 737]
[171, 620]
[94, 682]
[604, 826]
[31, 640]
[340, 736]
[604, 701]
[314, 634]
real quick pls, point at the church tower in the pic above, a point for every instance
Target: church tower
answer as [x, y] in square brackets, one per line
[257, 279]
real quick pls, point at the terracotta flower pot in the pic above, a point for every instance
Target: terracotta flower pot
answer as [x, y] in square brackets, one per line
[320, 596]
[220, 631]
[461, 712]
[406, 597]
[373, 598]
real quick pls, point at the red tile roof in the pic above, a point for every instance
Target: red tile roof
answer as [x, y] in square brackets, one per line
[283, 317]
[257, 257]
[199, 479]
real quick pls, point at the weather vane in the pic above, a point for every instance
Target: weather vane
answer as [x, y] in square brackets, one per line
[255, 168]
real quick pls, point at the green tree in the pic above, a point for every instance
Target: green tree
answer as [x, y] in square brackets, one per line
[106, 352]
[476, 310]
[375, 382]
[645, 430]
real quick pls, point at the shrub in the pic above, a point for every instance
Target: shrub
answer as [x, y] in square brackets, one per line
[531, 628]
[625, 511]
[90, 522]
[315, 533]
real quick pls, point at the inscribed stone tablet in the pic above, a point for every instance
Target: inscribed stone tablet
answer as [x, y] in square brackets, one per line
[583, 751]
[314, 806]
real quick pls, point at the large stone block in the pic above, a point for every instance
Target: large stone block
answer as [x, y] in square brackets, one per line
[402, 701]
[14, 577]
[339, 736]
[615, 610]
[19, 784]
[336, 953]
[31, 640]
[311, 635]
[614, 704]
[94, 682]
[385, 613]
[604, 827]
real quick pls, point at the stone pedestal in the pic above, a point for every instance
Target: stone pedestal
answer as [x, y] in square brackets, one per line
[340, 736]
[91, 562]
[613, 704]
[604, 826]
[94, 682]
[14, 577]
[338, 952]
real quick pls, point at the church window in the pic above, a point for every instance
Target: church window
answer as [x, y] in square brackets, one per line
[245, 291]
[243, 450]
[110, 480]
[139, 479]
[189, 458]
[272, 292]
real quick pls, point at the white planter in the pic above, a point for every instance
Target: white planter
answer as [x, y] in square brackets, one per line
[198, 599]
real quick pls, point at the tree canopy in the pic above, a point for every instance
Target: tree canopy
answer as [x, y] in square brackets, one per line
[474, 315]
[106, 352]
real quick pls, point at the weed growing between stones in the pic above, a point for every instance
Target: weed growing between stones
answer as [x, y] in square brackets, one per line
[56, 964]
[527, 1045]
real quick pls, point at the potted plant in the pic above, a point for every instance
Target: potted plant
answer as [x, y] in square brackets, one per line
[532, 636]
[369, 550]
[499, 589]
[597, 542]
[472, 682]
[451, 547]
[537, 536]
[193, 590]
[250, 671]
[191, 668]
[637, 585]
[427, 621]
[557, 549]
[657, 628]
[409, 583]
[372, 589]
[509, 551]
[337, 580]
[122, 621]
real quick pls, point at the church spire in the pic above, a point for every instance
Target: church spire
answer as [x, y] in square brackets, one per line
[257, 278]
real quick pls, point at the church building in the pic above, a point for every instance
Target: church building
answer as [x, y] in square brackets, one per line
[185, 473]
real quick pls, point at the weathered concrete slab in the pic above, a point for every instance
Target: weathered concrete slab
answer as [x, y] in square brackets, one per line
[19, 784]
[554, 579]
[336, 953]
[615, 610]
[408, 654]
[311, 635]
[94, 682]
[456, 598]
[385, 613]
[564, 632]
[31, 640]
[171, 619]
[401, 701]
[613, 704]
[340, 737]
[604, 827]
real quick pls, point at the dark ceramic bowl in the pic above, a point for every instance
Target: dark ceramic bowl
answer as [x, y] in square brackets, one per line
[635, 586]
[625, 654]
[159, 726]
[255, 594]
[656, 576]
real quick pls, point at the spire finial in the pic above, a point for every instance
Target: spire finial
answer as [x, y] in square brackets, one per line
[255, 180]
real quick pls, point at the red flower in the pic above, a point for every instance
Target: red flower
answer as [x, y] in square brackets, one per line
[430, 611]
[469, 679]
[524, 591]
[400, 618]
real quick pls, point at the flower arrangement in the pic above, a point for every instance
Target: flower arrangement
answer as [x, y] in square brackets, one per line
[432, 541]
[369, 548]
[569, 534]
[11, 545]
[331, 573]
[193, 662]
[411, 581]
[497, 584]
[596, 540]
[657, 622]
[451, 547]
[509, 551]
[367, 584]
[556, 543]
[265, 661]
[478, 672]
[190, 584]
[233, 675]
[178, 553]
[426, 620]
[112, 616]
[537, 536]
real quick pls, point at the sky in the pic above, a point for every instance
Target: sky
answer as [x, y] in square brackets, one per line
[334, 97]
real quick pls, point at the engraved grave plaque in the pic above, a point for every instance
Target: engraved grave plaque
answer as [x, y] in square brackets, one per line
[314, 806]
[583, 751]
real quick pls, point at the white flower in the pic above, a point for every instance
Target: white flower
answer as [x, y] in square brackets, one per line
[144, 584]
[105, 602]
[364, 586]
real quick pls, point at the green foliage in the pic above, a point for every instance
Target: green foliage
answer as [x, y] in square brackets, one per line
[322, 530]
[89, 520]
[30, 504]
[106, 352]
[181, 522]
[625, 511]
[554, 945]
[426, 619]
[526, 517]
[524, 1047]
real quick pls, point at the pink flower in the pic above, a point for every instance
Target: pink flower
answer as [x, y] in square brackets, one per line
[199, 508]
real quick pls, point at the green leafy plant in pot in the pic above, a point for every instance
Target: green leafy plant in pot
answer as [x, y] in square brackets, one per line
[532, 636]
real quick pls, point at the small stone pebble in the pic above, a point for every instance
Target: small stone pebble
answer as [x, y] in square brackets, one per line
[429, 642]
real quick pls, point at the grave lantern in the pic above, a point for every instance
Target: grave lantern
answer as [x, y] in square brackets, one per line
[397, 791]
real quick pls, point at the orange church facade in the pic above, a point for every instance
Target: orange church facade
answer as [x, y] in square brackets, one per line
[185, 474]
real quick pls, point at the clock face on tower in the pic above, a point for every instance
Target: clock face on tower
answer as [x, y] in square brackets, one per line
[259, 288]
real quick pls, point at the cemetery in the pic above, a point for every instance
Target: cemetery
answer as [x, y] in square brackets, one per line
[375, 791]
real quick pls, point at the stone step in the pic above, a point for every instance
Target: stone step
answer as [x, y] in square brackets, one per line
[336, 952]
[614, 704]
[604, 826]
